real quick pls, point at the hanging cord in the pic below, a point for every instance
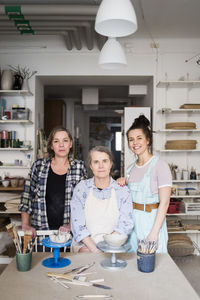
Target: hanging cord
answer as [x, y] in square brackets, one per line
[146, 26]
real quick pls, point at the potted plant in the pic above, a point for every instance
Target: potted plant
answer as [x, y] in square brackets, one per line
[22, 74]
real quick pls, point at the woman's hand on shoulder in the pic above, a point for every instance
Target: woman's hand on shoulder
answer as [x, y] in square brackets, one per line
[121, 181]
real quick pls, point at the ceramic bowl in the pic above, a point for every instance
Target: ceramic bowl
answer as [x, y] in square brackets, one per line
[6, 183]
[60, 237]
[115, 240]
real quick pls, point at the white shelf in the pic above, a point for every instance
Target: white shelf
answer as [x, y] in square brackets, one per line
[16, 149]
[16, 122]
[13, 167]
[185, 181]
[167, 150]
[5, 260]
[177, 130]
[16, 92]
[188, 196]
[177, 83]
[181, 214]
[9, 211]
[166, 110]
[185, 231]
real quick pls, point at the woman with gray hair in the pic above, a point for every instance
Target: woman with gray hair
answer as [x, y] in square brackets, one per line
[99, 205]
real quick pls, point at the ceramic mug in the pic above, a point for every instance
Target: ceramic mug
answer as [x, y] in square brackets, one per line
[5, 183]
[23, 261]
[178, 175]
[14, 182]
[185, 175]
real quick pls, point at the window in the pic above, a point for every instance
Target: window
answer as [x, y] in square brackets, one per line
[118, 141]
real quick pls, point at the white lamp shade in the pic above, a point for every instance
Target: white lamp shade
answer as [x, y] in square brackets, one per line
[116, 18]
[112, 55]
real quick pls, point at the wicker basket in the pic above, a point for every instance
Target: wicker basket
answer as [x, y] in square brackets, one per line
[181, 144]
[190, 106]
[180, 125]
[180, 245]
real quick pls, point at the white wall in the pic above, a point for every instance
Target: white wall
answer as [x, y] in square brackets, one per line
[142, 60]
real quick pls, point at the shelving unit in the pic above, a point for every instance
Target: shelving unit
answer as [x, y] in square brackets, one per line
[172, 94]
[8, 155]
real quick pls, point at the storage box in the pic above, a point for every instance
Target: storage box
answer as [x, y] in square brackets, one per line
[20, 113]
[192, 208]
[174, 206]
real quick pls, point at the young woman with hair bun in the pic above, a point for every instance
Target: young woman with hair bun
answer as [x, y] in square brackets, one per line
[149, 180]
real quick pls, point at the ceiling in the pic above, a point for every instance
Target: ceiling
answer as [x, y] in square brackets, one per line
[73, 21]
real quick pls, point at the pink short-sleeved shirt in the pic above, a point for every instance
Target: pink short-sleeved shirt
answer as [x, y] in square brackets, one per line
[160, 174]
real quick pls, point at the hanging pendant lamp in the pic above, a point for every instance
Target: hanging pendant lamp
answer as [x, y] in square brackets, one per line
[112, 55]
[116, 18]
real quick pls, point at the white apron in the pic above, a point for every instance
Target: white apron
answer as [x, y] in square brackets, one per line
[101, 217]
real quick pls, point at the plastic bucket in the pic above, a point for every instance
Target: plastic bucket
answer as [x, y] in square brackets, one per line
[145, 262]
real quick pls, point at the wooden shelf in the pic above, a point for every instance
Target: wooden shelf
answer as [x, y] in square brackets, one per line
[10, 188]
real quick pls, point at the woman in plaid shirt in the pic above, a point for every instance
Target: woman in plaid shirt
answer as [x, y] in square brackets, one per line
[49, 187]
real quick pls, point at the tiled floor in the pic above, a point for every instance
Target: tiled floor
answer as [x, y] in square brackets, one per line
[190, 266]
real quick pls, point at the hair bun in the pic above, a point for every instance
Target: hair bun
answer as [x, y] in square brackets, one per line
[142, 120]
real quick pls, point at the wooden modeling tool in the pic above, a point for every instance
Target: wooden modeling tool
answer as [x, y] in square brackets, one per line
[17, 238]
[33, 244]
[27, 239]
[9, 228]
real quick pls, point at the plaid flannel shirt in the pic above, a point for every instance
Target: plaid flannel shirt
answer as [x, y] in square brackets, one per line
[33, 199]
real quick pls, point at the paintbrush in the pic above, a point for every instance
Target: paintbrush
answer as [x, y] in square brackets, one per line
[9, 228]
[33, 244]
[27, 239]
[17, 238]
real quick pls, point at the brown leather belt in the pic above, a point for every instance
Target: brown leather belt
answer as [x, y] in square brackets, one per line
[145, 207]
